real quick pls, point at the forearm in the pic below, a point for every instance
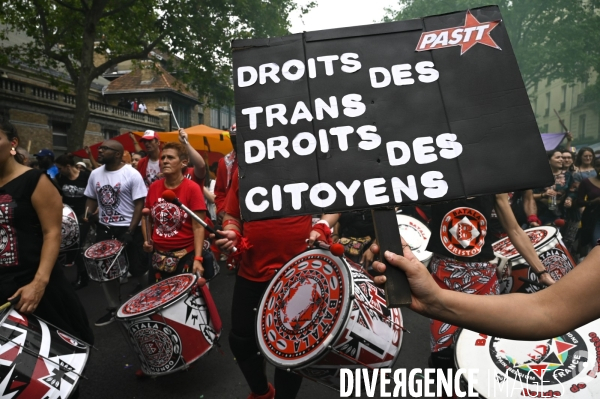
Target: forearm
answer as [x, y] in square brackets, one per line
[521, 242]
[529, 204]
[232, 223]
[208, 195]
[198, 161]
[49, 254]
[331, 219]
[137, 214]
[198, 238]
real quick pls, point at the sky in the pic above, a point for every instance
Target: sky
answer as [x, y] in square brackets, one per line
[329, 14]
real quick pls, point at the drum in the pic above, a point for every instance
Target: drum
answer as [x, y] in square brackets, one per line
[564, 366]
[105, 260]
[69, 231]
[552, 252]
[38, 360]
[416, 235]
[320, 314]
[169, 324]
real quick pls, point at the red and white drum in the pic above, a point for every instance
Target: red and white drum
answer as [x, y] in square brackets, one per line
[552, 252]
[564, 366]
[37, 360]
[106, 260]
[169, 324]
[320, 314]
[416, 235]
[69, 231]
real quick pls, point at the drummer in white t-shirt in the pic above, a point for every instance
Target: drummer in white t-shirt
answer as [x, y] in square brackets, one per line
[119, 192]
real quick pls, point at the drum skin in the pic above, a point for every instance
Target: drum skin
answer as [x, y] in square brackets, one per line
[99, 257]
[320, 313]
[564, 366]
[69, 232]
[168, 325]
[38, 361]
[416, 235]
[550, 249]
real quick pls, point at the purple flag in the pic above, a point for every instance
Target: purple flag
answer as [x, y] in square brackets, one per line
[552, 140]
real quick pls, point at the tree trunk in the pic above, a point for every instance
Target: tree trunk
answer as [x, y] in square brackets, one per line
[81, 115]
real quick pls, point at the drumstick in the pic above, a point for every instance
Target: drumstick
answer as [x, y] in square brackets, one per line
[115, 259]
[13, 301]
[201, 280]
[177, 123]
[170, 196]
[535, 283]
[146, 215]
[336, 249]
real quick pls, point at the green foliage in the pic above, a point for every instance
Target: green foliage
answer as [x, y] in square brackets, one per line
[551, 38]
[63, 33]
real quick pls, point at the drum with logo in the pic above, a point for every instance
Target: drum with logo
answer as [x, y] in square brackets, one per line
[106, 260]
[552, 252]
[416, 235]
[564, 366]
[170, 324]
[69, 231]
[38, 360]
[320, 314]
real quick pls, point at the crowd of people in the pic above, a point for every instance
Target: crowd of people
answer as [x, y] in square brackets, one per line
[111, 194]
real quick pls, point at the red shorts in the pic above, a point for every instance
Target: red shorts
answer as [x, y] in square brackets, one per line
[478, 278]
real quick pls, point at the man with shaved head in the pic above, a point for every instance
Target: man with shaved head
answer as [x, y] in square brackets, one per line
[119, 191]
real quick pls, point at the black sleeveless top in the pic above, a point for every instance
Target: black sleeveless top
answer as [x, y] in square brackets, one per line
[21, 235]
[460, 229]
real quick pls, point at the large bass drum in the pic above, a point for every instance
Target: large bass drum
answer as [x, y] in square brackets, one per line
[564, 366]
[38, 361]
[321, 313]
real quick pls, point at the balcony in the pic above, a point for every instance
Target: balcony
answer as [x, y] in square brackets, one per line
[53, 97]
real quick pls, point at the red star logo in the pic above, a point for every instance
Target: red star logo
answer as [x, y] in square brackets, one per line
[466, 36]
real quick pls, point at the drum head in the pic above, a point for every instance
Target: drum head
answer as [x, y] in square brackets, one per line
[538, 236]
[159, 295]
[69, 232]
[416, 235]
[103, 249]
[507, 368]
[304, 308]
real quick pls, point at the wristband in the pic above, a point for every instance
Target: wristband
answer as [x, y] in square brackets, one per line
[325, 222]
[540, 273]
[199, 258]
[534, 219]
[232, 222]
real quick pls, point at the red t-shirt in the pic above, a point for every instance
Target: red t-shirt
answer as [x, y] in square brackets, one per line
[172, 226]
[274, 242]
[189, 174]
[222, 185]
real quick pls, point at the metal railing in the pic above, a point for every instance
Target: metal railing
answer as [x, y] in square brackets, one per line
[54, 96]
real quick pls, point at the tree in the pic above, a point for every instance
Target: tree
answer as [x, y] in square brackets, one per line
[65, 34]
[557, 39]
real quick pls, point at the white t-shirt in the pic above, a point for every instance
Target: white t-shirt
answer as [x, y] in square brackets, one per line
[152, 172]
[115, 192]
[142, 108]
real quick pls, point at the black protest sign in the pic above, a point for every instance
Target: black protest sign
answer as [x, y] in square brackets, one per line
[406, 112]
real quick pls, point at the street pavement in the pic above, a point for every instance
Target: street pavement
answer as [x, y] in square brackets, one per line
[111, 366]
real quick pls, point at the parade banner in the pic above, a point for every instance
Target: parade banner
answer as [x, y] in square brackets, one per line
[398, 113]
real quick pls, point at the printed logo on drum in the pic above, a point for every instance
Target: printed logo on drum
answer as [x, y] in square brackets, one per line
[549, 362]
[556, 262]
[70, 340]
[466, 36]
[159, 345]
[463, 231]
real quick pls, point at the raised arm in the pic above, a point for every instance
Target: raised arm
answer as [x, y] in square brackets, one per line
[195, 157]
[519, 239]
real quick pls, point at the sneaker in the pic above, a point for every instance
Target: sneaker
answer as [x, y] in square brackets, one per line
[270, 394]
[106, 319]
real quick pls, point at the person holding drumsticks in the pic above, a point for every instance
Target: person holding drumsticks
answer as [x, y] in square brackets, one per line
[119, 191]
[570, 303]
[31, 209]
[263, 247]
[175, 240]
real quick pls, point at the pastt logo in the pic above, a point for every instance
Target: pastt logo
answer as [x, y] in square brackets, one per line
[466, 36]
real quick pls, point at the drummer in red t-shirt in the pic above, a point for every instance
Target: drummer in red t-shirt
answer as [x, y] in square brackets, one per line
[177, 240]
[273, 243]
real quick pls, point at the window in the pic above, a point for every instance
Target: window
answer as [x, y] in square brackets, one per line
[59, 138]
[214, 118]
[200, 118]
[182, 114]
[547, 110]
[109, 134]
[563, 104]
[164, 100]
[548, 82]
[581, 127]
